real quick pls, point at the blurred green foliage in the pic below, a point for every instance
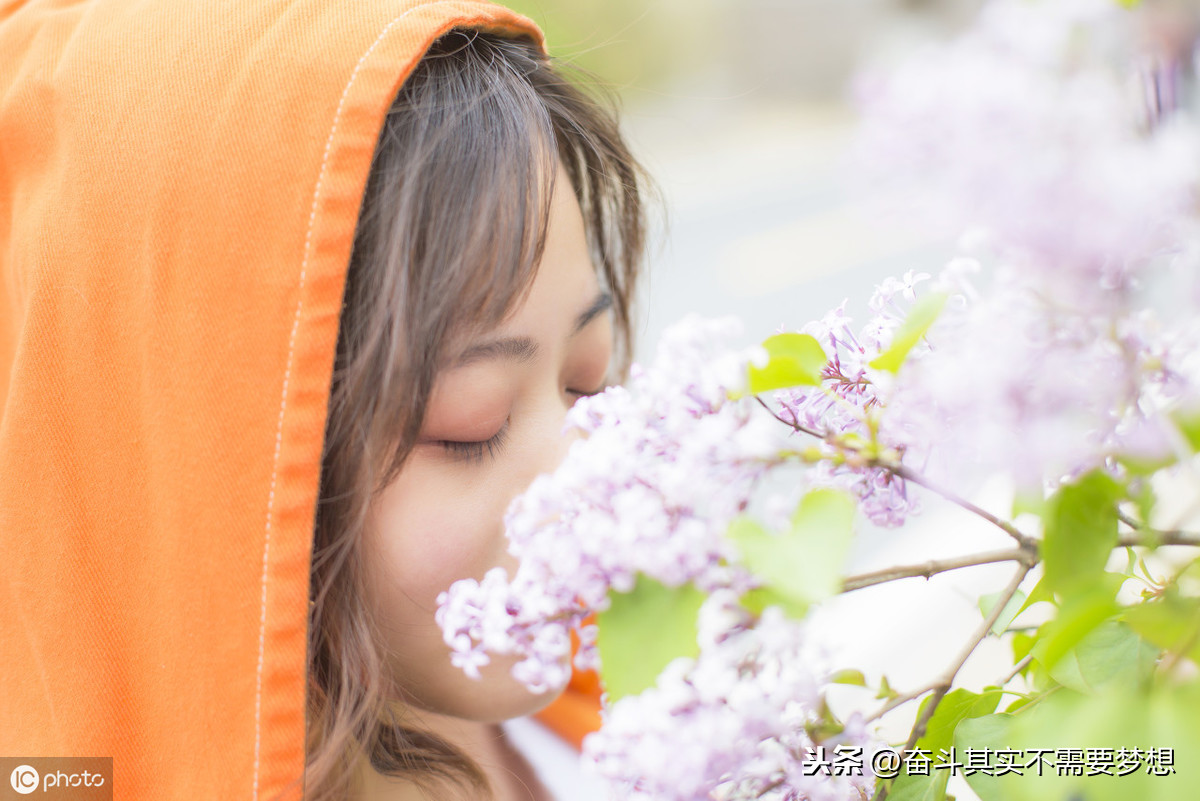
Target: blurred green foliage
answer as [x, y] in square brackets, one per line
[628, 45]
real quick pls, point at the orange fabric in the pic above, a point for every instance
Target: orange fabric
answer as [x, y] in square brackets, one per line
[179, 185]
[576, 712]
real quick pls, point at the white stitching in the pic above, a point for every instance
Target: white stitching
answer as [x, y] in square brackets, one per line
[262, 623]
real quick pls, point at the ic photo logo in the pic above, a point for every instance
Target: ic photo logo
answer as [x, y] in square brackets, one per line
[24, 779]
[60, 778]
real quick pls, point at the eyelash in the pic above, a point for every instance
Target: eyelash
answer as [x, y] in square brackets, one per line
[473, 451]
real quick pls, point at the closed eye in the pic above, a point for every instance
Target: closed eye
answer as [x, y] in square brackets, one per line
[473, 451]
[582, 394]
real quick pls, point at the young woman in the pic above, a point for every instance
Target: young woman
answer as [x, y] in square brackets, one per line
[293, 300]
[501, 231]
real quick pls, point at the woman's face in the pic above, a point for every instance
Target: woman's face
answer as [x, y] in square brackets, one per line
[493, 423]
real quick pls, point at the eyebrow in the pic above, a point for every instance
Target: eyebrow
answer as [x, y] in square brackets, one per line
[525, 349]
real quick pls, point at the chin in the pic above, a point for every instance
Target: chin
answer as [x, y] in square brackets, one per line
[494, 697]
[497, 696]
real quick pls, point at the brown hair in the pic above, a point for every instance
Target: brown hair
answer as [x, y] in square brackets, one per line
[449, 235]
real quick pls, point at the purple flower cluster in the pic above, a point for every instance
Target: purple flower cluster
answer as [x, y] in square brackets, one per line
[1032, 124]
[1032, 129]
[667, 463]
[1076, 353]
[844, 411]
[738, 722]
[1039, 388]
[1010, 385]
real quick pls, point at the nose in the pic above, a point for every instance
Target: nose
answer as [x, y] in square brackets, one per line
[546, 453]
[552, 443]
[559, 441]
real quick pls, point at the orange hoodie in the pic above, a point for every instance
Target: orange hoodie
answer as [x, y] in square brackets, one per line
[179, 186]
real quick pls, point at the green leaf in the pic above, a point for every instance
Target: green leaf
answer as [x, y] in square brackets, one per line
[920, 317]
[1145, 499]
[1022, 644]
[1110, 655]
[1171, 623]
[1015, 604]
[759, 598]
[1018, 702]
[1029, 501]
[1040, 592]
[794, 360]
[850, 676]
[987, 731]
[920, 788]
[1131, 560]
[1145, 464]
[1120, 718]
[957, 706]
[886, 691]
[804, 564]
[1188, 421]
[644, 630]
[1039, 679]
[1080, 532]
[1079, 615]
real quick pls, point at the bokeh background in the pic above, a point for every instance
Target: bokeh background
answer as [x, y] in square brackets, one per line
[742, 112]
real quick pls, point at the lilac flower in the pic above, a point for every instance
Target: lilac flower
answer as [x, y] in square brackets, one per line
[1025, 128]
[668, 462]
[1026, 125]
[851, 400]
[732, 724]
[1068, 359]
[1011, 384]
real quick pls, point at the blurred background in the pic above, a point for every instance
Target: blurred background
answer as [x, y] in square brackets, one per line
[740, 110]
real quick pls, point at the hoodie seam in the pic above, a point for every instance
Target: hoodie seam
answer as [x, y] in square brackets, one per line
[262, 624]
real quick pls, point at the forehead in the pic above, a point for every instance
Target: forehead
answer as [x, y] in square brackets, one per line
[565, 272]
[564, 291]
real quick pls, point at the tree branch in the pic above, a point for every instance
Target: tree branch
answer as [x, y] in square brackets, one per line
[804, 429]
[905, 473]
[1017, 668]
[935, 566]
[1152, 536]
[943, 684]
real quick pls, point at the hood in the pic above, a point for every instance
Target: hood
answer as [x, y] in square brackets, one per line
[179, 186]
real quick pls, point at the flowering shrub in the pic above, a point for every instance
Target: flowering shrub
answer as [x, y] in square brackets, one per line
[1059, 351]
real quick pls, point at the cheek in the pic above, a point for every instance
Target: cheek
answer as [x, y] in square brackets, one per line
[427, 531]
